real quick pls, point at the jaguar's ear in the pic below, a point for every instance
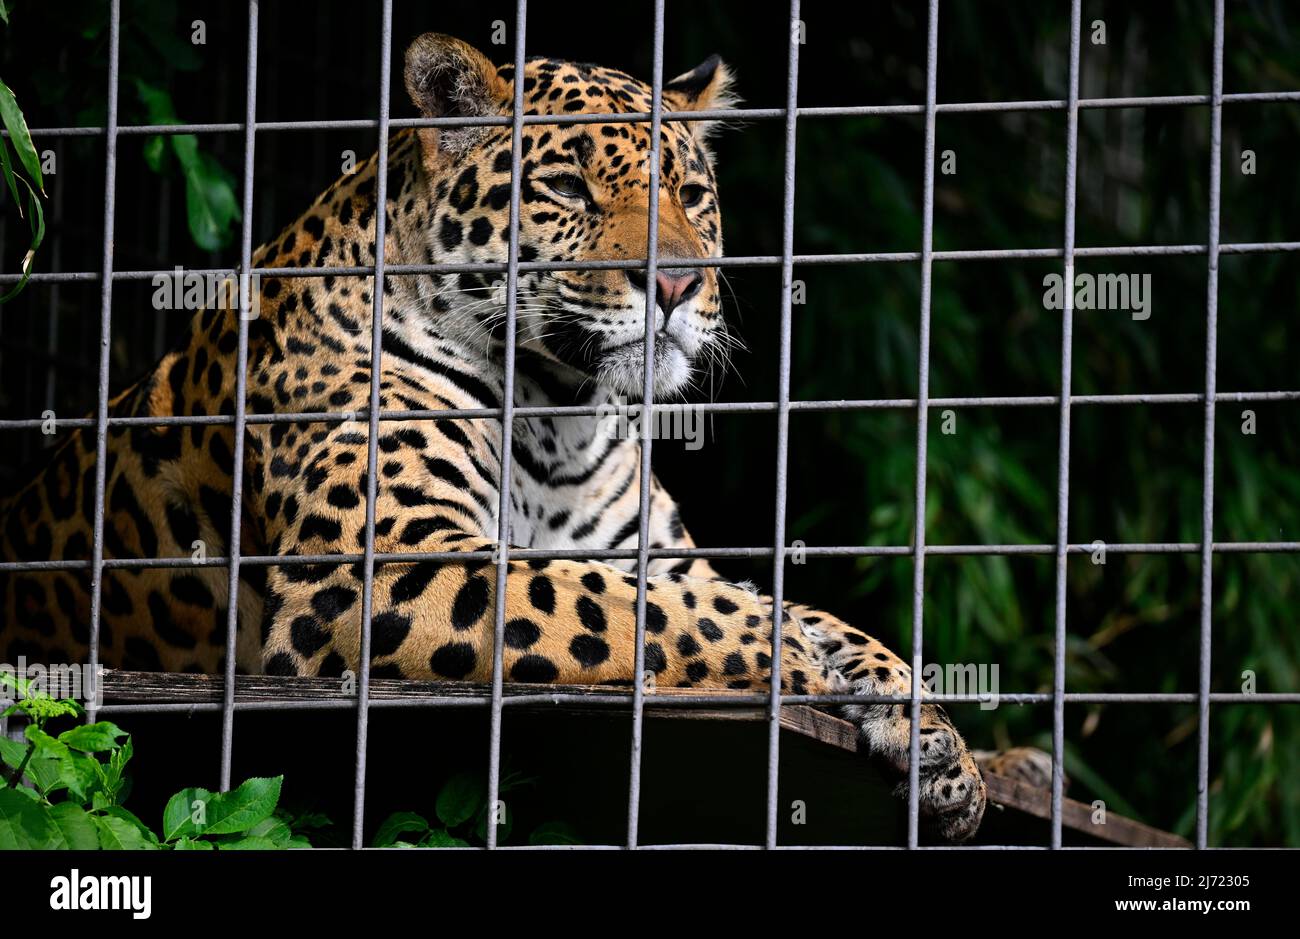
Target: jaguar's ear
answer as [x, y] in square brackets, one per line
[446, 77]
[707, 87]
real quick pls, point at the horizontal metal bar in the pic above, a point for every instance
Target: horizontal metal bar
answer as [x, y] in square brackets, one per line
[626, 554]
[727, 407]
[642, 117]
[722, 846]
[691, 702]
[762, 260]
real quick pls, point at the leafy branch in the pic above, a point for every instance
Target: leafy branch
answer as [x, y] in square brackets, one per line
[20, 140]
[153, 47]
[66, 792]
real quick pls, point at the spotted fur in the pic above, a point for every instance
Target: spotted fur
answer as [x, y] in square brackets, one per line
[584, 193]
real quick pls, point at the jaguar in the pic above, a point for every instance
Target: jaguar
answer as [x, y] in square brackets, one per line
[584, 192]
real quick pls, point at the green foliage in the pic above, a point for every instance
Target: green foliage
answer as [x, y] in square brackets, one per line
[20, 140]
[462, 814]
[152, 50]
[210, 204]
[66, 791]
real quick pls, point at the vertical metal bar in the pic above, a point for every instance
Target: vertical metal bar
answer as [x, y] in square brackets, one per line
[782, 421]
[241, 393]
[922, 426]
[1207, 487]
[372, 433]
[56, 264]
[164, 251]
[105, 340]
[653, 160]
[507, 426]
[1063, 440]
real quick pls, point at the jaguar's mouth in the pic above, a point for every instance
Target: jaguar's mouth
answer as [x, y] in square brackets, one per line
[622, 368]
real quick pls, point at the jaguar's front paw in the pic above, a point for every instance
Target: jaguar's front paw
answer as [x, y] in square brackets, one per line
[952, 793]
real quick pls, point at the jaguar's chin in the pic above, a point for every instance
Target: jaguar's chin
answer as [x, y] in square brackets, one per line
[622, 369]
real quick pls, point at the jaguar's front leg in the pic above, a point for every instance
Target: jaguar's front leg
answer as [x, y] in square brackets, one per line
[952, 791]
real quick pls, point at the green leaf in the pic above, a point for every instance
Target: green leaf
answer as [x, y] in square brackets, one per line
[117, 834]
[399, 823]
[155, 154]
[251, 843]
[46, 774]
[177, 813]
[20, 686]
[244, 807]
[12, 752]
[36, 221]
[189, 844]
[273, 830]
[75, 825]
[93, 738]
[24, 824]
[10, 180]
[224, 813]
[46, 746]
[41, 707]
[19, 135]
[211, 207]
[54, 766]
[157, 103]
[116, 811]
[556, 832]
[113, 776]
[438, 838]
[459, 798]
[81, 774]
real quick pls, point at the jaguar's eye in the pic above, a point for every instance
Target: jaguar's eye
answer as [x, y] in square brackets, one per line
[569, 186]
[691, 195]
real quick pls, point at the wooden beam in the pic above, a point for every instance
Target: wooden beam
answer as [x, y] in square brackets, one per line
[121, 687]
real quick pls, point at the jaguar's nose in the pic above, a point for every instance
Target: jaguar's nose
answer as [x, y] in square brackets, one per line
[673, 286]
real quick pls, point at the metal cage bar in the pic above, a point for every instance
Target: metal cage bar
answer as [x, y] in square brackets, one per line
[507, 425]
[733, 114]
[557, 554]
[713, 407]
[372, 430]
[105, 339]
[1063, 439]
[1207, 487]
[653, 160]
[598, 264]
[241, 396]
[922, 429]
[634, 700]
[793, 39]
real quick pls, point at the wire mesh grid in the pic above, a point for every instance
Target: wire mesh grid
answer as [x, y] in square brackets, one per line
[926, 257]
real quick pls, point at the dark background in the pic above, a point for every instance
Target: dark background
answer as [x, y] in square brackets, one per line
[1135, 470]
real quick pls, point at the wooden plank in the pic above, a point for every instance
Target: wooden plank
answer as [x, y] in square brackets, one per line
[1003, 790]
[121, 687]
[1078, 815]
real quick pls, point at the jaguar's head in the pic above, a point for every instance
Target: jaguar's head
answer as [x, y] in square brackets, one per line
[584, 196]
